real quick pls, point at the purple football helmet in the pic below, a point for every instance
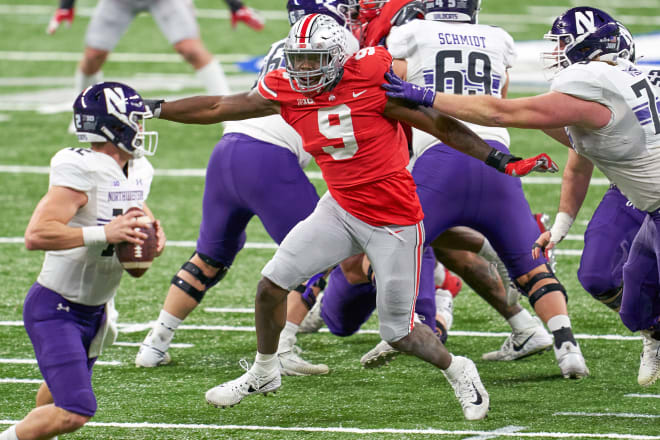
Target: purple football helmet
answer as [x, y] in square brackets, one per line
[111, 111]
[457, 10]
[585, 33]
[334, 8]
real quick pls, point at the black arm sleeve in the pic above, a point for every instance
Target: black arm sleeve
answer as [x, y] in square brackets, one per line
[66, 4]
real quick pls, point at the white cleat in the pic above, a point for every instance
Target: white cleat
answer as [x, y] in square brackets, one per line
[570, 361]
[152, 352]
[444, 306]
[313, 320]
[232, 392]
[649, 365]
[291, 364]
[464, 378]
[378, 356]
[522, 344]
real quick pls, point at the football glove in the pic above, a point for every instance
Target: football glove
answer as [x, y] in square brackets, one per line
[60, 15]
[398, 88]
[518, 167]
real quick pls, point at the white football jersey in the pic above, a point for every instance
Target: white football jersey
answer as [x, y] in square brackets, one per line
[627, 149]
[273, 129]
[459, 58]
[90, 274]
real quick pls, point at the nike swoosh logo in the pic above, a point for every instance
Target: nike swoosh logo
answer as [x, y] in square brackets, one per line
[478, 400]
[252, 389]
[355, 95]
[520, 347]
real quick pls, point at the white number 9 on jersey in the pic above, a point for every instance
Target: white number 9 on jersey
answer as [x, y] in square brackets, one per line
[336, 123]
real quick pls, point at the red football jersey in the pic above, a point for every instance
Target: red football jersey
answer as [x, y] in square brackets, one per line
[379, 28]
[362, 154]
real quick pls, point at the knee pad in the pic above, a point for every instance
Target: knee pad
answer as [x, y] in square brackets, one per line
[197, 272]
[537, 294]
[611, 298]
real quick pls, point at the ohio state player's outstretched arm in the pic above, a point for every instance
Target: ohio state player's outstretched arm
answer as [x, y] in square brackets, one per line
[213, 109]
[458, 136]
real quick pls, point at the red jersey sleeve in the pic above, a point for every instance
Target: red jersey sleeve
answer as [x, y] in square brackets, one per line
[379, 28]
[275, 86]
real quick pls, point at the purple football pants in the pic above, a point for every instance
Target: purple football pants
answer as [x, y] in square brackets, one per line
[607, 242]
[61, 332]
[247, 177]
[459, 190]
[640, 307]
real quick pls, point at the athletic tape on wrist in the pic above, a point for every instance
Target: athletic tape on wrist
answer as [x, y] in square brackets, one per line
[560, 227]
[94, 235]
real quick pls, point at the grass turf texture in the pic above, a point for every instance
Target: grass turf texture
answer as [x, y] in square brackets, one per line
[406, 395]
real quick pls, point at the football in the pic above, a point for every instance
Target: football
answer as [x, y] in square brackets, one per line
[135, 258]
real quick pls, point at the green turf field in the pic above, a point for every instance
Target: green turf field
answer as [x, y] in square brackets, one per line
[407, 399]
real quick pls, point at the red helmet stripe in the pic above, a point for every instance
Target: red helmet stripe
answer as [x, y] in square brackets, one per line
[304, 27]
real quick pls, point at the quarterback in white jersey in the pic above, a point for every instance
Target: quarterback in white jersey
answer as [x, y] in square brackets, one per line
[90, 274]
[67, 312]
[606, 109]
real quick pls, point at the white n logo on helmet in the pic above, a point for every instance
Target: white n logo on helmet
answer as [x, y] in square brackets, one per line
[584, 22]
[115, 101]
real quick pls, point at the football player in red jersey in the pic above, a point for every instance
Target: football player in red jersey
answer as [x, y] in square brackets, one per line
[350, 127]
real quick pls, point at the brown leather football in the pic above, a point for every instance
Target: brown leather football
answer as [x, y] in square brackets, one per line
[135, 258]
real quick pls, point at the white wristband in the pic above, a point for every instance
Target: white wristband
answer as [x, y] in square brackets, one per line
[94, 235]
[560, 227]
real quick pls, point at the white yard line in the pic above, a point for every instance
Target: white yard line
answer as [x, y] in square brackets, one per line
[229, 310]
[644, 396]
[117, 57]
[14, 380]
[34, 361]
[134, 327]
[495, 433]
[138, 344]
[619, 415]
[363, 431]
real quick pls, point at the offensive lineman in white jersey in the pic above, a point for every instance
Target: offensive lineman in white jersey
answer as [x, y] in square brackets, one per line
[609, 109]
[67, 312]
[255, 169]
[449, 52]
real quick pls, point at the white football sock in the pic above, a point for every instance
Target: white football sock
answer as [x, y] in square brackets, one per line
[165, 326]
[521, 321]
[214, 78]
[558, 322]
[264, 364]
[288, 337]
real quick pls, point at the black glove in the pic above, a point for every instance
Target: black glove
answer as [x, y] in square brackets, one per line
[153, 105]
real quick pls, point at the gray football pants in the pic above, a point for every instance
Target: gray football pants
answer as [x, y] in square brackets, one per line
[330, 234]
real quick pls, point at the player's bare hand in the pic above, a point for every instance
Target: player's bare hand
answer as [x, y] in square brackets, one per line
[125, 228]
[161, 238]
[61, 15]
[542, 244]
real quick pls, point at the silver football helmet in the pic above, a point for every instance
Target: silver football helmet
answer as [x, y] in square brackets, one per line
[315, 53]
